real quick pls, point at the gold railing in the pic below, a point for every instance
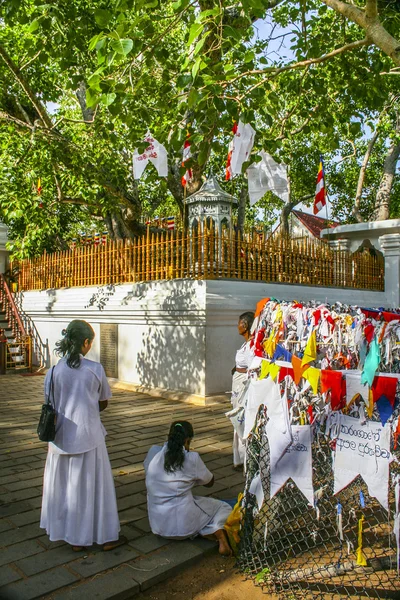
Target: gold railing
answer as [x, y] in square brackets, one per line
[205, 255]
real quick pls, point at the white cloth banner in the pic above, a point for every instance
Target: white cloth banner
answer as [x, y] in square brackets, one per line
[267, 175]
[355, 387]
[155, 153]
[259, 391]
[242, 146]
[278, 427]
[363, 450]
[295, 464]
[257, 489]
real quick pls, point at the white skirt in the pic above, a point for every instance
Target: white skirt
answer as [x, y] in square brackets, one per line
[79, 504]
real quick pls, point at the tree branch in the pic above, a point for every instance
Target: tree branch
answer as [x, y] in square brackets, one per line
[368, 20]
[360, 184]
[301, 64]
[37, 104]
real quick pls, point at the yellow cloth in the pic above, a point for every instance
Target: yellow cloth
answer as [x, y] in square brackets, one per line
[232, 525]
[361, 560]
[310, 352]
[264, 369]
[270, 344]
[370, 407]
[273, 370]
[312, 375]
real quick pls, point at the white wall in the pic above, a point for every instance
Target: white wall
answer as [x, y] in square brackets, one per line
[178, 335]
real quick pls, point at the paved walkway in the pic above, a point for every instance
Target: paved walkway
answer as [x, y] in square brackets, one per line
[31, 566]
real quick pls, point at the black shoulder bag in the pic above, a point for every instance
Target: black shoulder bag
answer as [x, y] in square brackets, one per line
[46, 429]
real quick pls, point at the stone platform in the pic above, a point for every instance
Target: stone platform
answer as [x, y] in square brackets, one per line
[31, 566]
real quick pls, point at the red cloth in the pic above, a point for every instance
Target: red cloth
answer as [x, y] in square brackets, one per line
[317, 316]
[258, 349]
[384, 386]
[333, 381]
[369, 331]
[285, 371]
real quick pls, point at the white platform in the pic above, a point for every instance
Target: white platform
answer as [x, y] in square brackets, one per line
[175, 338]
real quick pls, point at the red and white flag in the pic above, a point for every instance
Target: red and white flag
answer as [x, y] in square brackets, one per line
[187, 153]
[239, 148]
[320, 192]
[228, 171]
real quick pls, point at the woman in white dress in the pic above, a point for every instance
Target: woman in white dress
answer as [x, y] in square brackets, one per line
[79, 504]
[243, 358]
[172, 471]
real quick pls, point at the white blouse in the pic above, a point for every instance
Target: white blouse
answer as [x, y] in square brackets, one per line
[173, 510]
[244, 356]
[77, 393]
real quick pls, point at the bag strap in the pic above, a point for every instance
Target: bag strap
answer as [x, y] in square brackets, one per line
[51, 390]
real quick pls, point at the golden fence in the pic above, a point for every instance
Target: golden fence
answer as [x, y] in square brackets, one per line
[204, 255]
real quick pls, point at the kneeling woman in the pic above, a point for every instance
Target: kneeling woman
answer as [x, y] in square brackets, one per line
[172, 471]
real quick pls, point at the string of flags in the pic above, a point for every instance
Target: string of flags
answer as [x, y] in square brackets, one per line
[264, 175]
[331, 370]
[90, 239]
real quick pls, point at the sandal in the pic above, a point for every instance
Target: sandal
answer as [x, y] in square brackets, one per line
[78, 548]
[111, 545]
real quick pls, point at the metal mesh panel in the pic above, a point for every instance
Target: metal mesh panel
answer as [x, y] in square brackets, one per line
[295, 551]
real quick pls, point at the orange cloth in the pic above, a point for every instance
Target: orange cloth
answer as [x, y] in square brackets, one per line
[298, 369]
[260, 305]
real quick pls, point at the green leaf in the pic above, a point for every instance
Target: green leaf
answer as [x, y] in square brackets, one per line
[196, 67]
[194, 32]
[93, 42]
[230, 32]
[108, 99]
[122, 46]
[193, 97]
[34, 26]
[200, 43]
[102, 17]
[92, 98]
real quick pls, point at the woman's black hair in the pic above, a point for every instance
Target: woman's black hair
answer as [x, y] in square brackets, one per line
[247, 318]
[175, 454]
[74, 338]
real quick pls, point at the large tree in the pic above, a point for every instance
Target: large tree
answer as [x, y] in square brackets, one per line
[114, 69]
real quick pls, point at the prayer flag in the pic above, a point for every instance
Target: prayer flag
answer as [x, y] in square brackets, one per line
[96, 238]
[371, 363]
[298, 369]
[312, 375]
[104, 238]
[332, 380]
[39, 187]
[170, 222]
[384, 386]
[267, 175]
[320, 192]
[155, 153]
[239, 148]
[310, 352]
[187, 153]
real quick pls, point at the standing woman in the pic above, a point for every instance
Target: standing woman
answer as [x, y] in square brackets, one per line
[79, 504]
[243, 359]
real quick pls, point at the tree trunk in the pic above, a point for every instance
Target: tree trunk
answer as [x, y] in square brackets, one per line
[382, 202]
[242, 208]
[286, 210]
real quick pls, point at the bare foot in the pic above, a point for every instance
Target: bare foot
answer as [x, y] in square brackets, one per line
[224, 547]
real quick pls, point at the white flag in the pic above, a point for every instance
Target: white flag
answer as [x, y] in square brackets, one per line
[155, 153]
[239, 148]
[363, 449]
[295, 464]
[267, 175]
